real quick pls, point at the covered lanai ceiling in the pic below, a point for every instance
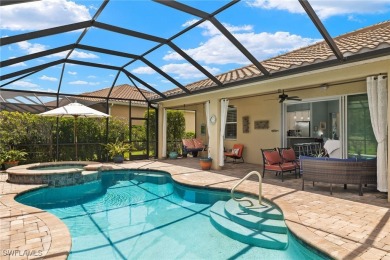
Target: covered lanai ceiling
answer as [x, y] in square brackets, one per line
[172, 48]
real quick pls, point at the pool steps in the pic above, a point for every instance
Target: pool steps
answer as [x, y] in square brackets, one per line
[151, 178]
[258, 225]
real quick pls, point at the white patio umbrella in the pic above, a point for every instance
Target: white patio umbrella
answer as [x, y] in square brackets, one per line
[75, 110]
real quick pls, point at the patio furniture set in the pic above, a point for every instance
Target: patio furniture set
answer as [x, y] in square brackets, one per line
[320, 169]
[311, 168]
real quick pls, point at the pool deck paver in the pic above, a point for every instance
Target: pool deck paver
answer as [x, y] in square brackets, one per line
[345, 225]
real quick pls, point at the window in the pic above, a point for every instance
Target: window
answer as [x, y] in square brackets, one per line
[231, 123]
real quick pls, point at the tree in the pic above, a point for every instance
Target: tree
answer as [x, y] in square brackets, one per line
[176, 125]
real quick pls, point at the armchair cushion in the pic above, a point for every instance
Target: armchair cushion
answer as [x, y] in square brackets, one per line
[272, 157]
[288, 155]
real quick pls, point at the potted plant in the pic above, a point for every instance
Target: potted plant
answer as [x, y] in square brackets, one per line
[173, 150]
[117, 149]
[205, 163]
[12, 157]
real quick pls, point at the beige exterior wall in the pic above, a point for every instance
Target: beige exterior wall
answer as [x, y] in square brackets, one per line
[122, 111]
[190, 120]
[253, 100]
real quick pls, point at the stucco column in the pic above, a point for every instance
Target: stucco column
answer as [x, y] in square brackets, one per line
[214, 132]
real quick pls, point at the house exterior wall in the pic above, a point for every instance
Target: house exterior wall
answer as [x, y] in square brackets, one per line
[190, 120]
[251, 100]
[122, 111]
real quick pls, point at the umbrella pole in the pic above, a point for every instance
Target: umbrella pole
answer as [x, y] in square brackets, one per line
[75, 135]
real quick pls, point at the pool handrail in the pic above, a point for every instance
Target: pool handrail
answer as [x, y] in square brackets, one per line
[243, 179]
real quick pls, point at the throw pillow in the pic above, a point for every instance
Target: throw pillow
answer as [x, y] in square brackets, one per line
[235, 151]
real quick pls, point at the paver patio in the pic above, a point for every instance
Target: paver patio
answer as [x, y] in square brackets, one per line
[345, 225]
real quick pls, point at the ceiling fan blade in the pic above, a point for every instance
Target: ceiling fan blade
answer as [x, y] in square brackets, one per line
[296, 99]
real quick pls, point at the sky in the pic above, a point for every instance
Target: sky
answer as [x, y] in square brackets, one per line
[267, 28]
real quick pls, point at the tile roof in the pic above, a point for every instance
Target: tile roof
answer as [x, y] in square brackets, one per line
[363, 40]
[124, 91]
[120, 93]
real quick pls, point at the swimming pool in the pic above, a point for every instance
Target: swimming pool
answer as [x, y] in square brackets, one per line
[145, 215]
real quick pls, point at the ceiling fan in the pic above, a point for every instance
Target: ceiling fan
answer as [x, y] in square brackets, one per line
[283, 97]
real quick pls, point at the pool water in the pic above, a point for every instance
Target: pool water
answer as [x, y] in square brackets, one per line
[127, 215]
[58, 167]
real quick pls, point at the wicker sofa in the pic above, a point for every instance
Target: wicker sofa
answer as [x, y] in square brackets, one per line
[338, 171]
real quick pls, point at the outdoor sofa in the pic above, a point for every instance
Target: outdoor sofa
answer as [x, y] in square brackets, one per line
[338, 171]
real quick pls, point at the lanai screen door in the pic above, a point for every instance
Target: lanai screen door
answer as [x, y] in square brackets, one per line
[138, 138]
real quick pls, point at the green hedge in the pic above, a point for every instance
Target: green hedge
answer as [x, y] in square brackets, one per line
[37, 136]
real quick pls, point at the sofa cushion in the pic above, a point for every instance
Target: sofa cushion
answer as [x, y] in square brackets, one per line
[188, 143]
[198, 143]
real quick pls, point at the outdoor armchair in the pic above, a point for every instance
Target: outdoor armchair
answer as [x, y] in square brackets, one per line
[288, 156]
[235, 153]
[273, 162]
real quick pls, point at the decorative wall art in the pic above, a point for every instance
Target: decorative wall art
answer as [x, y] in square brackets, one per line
[262, 124]
[322, 125]
[245, 124]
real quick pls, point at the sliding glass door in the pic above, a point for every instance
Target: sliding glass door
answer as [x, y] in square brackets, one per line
[360, 136]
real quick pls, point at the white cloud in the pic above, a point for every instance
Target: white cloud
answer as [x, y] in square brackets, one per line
[78, 82]
[83, 55]
[31, 48]
[83, 82]
[186, 70]
[20, 64]
[72, 72]
[144, 70]
[39, 15]
[24, 84]
[219, 50]
[211, 30]
[44, 77]
[92, 77]
[189, 23]
[75, 54]
[326, 9]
